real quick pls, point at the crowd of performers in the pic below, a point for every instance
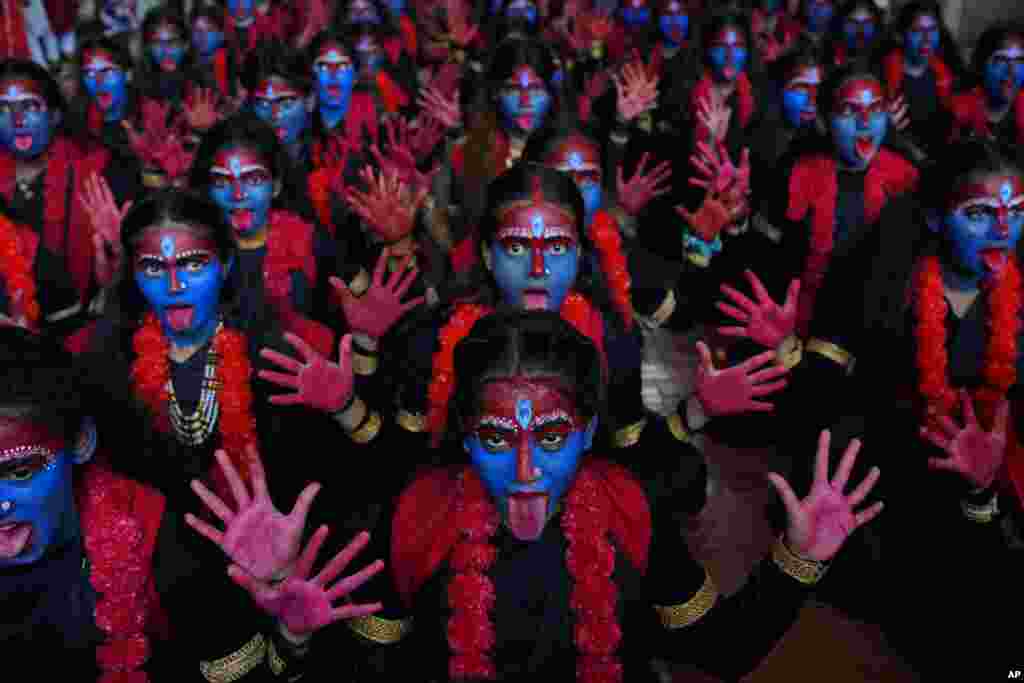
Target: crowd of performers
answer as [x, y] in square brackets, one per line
[324, 322]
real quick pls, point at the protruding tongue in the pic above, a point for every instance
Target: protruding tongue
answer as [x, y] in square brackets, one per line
[994, 259]
[334, 90]
[729, 72]
[23, 143]
[524, 122]
[169, 65]
[535, 301]
[242, 219]
[179, 317]
[105, 99]
[13, 539]
[527, 514]
[864, 147]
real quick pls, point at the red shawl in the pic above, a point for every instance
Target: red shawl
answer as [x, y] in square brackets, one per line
[65, 163]
[423, 536]
[220, 71]
[892, 68]
[813, 188]
[970, 113]
[744, 95]
[274, 25]
[13, 40]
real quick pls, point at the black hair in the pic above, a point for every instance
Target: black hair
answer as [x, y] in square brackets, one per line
[341, 38]
[388, 20]
[274, 58]
[715, 23]
[30, 71]
[988, 43]
[534, 344]
[120, 54]
[500, 26]
[947, 45]
[970, 159]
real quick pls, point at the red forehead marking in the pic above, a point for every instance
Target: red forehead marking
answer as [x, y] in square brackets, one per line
[991, 187]
[26, 85]
[16, 431]
[276, 86]
[861, 91]
[97, 55]
[729, 36]
[500, 397]
[244, 156]
[525, 77]
[185, 239]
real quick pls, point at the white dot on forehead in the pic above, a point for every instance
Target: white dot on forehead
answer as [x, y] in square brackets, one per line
[537, 225]
[167, 246]
[575, 161]
[524, 412]
[675, 7]
[1006, 191]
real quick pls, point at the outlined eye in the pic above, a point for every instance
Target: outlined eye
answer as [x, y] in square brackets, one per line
[559, 247]
[492, 439]
[514, 247]
[1016, 213]
[977, 213]
[196, 264]
[221, 182]
[552, 441]
[257, 178]
[151, 268]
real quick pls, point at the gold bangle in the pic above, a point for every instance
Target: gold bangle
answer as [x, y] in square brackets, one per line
[629, 435]
[980, 514]
[833, 352]
[360, 283]
[699, 260]
[237, 664]
[681, 616]
[369, 429]
[790, 352]
[666, 309]
[805, 571]
[379, 630]
[277, 663]
[411, 422]
[678, 429]
[363, 365]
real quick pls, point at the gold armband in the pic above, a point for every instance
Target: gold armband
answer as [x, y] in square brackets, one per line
[363, 365]
[681, 616]
[790, 352]
[678, 428]
[805, 571]
[981, 514]
[277, 663]
[237, 664]
[411, 422]
[833, 352]
[367, 430]
[380, 630]
[360, 283]
[629, 435]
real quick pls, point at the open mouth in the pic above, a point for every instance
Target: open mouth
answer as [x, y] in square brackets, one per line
[105, 100]
[729, 73]
[14, 538]
[865, 147]
[525, 121]
[810, 115]
[527, 515]
[242, 220]
[169, 65]
[995, 259]
[535, 299]
[179, 317]
[23, 143]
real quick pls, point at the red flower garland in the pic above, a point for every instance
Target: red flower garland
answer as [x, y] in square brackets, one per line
[16, 270]
[604, 233]
[289, 249]
[114, 541]
[590, 559]
[151, 373]
[999, 371]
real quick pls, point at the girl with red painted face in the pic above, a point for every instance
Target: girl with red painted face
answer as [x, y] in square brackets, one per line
[994, 108]
[475, 544]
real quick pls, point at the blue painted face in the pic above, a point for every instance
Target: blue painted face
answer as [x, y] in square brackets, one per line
[636, 14]
[922, 40]
[106, 83]
[242, 10]
[26, 125]
[581, 159]
[859, 122]
[728, 54]
[526, 444]
[166, 48]
[181, 276]
[206, 37]
[800, 97]
[335, 76]
[535, 255]
[1004, 72]
[242, 185]
[36, 499]
[524, 101]
[859, 30]
[283, 107]
[818, 14]
[675, 28]
[522, 10]
[984, 224]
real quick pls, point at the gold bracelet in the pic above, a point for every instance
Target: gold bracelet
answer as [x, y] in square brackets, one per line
[980, 514]
[237, 664]
[681, 616]
[805, 571]
[833, 352]
[363, 365]
[790, 352]
[666, 309]
[379, 630]
[411, 422]
[360, 283]
[277, 663]
[369, 429]
[678, 429]
[630, 434]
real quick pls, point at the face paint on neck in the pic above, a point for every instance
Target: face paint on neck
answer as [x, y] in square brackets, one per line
[1004, 72]
[818, 14]
[674, 23]
[242, 185]
[368, 55]
[859, 122]
[983, 224]
[243, 11]
[178, 271]
[526, 444]
[522, 11]
[36, 501]
[166, 48]
[106, 83]
[581, 159]
[283, 107]
[800, 97]
[535, 255]
[26, 126]
[363, 12]
[922, 39]
[524, 101]
[206, 37]
[859, 29]
[335, 76]
[636, 13]
[728, 54]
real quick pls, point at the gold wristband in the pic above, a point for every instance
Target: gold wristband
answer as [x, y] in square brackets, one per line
[805, 571]
[630, 434]
[678, 429]
[980, 514]
[699, 260]
[277, 663]
[681, 616]
[790, 352]
[833, 352]
[368, 430]
[380, 630]
[360, 283]
[237, 664]
[411, 422]
[363, 365]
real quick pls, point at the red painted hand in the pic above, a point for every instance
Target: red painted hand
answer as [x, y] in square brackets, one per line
[443, 108]
[638, 191]
[381, 306]
[318, 383]
[104, 216]
[257, 536]
[972, 452]
[899, 114]
[709, 220]
[764, 322]
[389, 206]
[637, 91]
[820, 523]
[201, 109]
[460, 28]
[304, 605]
[713, 116]
[735, 390]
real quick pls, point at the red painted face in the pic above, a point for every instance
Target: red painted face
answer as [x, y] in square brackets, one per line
[996, 195]
[539, 229]
[729, 37]
[578, 157]
[19, 436]
[333, 57]
[860, 97]
[174, 250]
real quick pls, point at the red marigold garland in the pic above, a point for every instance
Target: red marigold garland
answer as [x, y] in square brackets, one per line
[590, 559]
[151, 373]
[604, 233]
[16, 271]
[114, 543]
[999, 371]
[284, 256]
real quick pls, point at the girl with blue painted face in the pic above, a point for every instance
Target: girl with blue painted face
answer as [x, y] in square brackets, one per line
[334, 71]
[817, 15]
[106, 73]
[858, 121]
[800, 93]
[165, 42]
[207, 35]
[995, 107]
[279, 83]
[635, 14]
[727, 53]
[857, 29]
[674, 23]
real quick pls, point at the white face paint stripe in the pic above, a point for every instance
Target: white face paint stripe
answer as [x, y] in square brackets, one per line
[553, 416]
[495, 421]
[526, 232]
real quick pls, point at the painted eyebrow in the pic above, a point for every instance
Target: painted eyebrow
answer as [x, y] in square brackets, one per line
[497, 422]
[990, 203]
[13, 456]
[553, 416]
[21, 97]
[220, 170]
[526, 232]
